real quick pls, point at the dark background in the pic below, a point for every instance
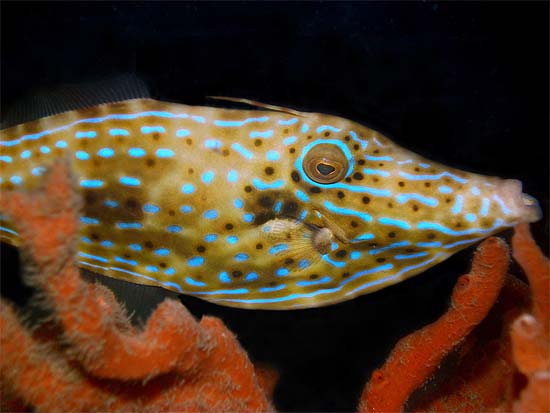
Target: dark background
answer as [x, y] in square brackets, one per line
[465, 84]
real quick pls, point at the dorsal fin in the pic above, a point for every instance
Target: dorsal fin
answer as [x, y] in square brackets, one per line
[260, 105]
[51, 101]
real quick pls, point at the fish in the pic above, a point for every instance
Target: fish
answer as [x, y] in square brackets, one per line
[262, 208]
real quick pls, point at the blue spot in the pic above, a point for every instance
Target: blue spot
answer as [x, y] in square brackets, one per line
[327, 127]
[281, 272]
[25, 154]
[164, 153]
[244, 152]
[346, 211]
[37, 171]
[118, 132]
[91, 183]
[153, 209]
[162, 251]
[210, 237]
[82, 155]
[90, 221]
[151, 268]
[302, 195]
[394, 222]
[195, 261]
[187, 188]
[278, 206]
[193, 282]
[431, 202]
[16, 180]
[410, 256]
[261, 185]
[261, 134]
[129, 225]
[151, 129]
[130, 181]
[304, 128]
[89, 134]
[93, 257]
[333, 246]
[232, 239]
[232, 176]
[278, 248]
[186, 209]
[444, 189]
[270, 289]
[272, 156]
[355, 255]
[389, 247]
[135, 247]
[110, 203]
[288, 122]
[174, 228]
[170, 271]
[241, 256]
[208, 177]
[305, 283]
[198, 119]
[224, 277]
[212, 144]
[211, 214]
[61, 144]
[457, 207]
[424, 165]
[484, 207]
[290, 140]
[248, 217]
[5, 158]
[44, 149]
[251, 276]
[375, 172]
[136, 152]
[238, 203]
[125, 261]
[106, 152]
[475, 190]
[182, 133]
[303, 215]
[303, 264]
[471, 217]
[86, 240]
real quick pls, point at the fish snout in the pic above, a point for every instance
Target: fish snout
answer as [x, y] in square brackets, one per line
[521, 205]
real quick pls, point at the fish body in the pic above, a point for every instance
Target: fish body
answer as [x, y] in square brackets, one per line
[268, 209]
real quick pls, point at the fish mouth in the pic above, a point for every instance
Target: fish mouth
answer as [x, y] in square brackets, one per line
[522, 205]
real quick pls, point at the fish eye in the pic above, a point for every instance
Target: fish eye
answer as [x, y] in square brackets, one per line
[325, 164]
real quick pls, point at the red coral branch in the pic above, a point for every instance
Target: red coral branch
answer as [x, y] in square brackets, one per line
[416, 357]
[173, 363]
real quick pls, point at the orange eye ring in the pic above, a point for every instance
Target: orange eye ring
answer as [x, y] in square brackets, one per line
[325, 164]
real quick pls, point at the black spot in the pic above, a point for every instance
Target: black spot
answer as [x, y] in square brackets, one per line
[348, 179]
[417, 169]
[189, 141]
[190, 171]
[273, 284]
[131, 203]
[94, 236]
[390, 205]
[341, 253]
[269, 170]
[201, 248]
[156, 136]
[259, 246]
[150, 162]
[313, 276]
[345, 275]
[148, 244]
[265, 201]
[263, 217]
[431, 235]
[380, 259]
[162, 265]
[427, 184]
[401, 183]
[289, 261]
[448, 200]
[380, 164]
[347, 138]
[415, 207]
[225, 152]
[356, 146]
[248, 188]
[237, 273]
[292, 150]
[376, 151]
[391, 234]
[171, 212]
[354, 224]
[309, 136]
[341, 194]
[285, 130]
[366, 199]
[315, 189]
[229, 226]
[409, 250]
[295, 176]
[126, 255]
[327, 133]
[257, 142]
[458, 225]
[375, 179]
[290, 208]
[361, 162]
[90, 197]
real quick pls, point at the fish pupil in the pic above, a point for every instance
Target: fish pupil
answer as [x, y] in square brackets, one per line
[325, 169]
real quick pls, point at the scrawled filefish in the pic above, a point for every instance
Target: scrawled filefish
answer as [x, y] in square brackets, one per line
[270, 208]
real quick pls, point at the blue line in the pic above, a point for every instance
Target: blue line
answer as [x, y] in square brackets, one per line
[505, 210]
[433, 244]
[125, 261]
[172, 284]
[9, 231]
[323, 128]
[410, 256]
[431, 202]
[438, 227]
[375, 172]
[338, 264]
[118, 132]
[457, 207]
[444, 189]
[261, 185]
[151, 129]
[278, 248]
[198, 119]
[485, 207]
[89, 134]
[462, 242]
[290, 140]
[389, 247]
[6, 158]
[142, 276]
[301, 195]
[93, 257]
[288, 122]
[362, 237]
[212, 144]
[90, 221]
[244, 152]
[394, 222]
[261, 134]
[306, 283]
[270, 289]
[193, 282]
[346, 211]
[378, 158]
[236, 291]
[433, 177]
[237, 123]
[354, 136]
[128, 225]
